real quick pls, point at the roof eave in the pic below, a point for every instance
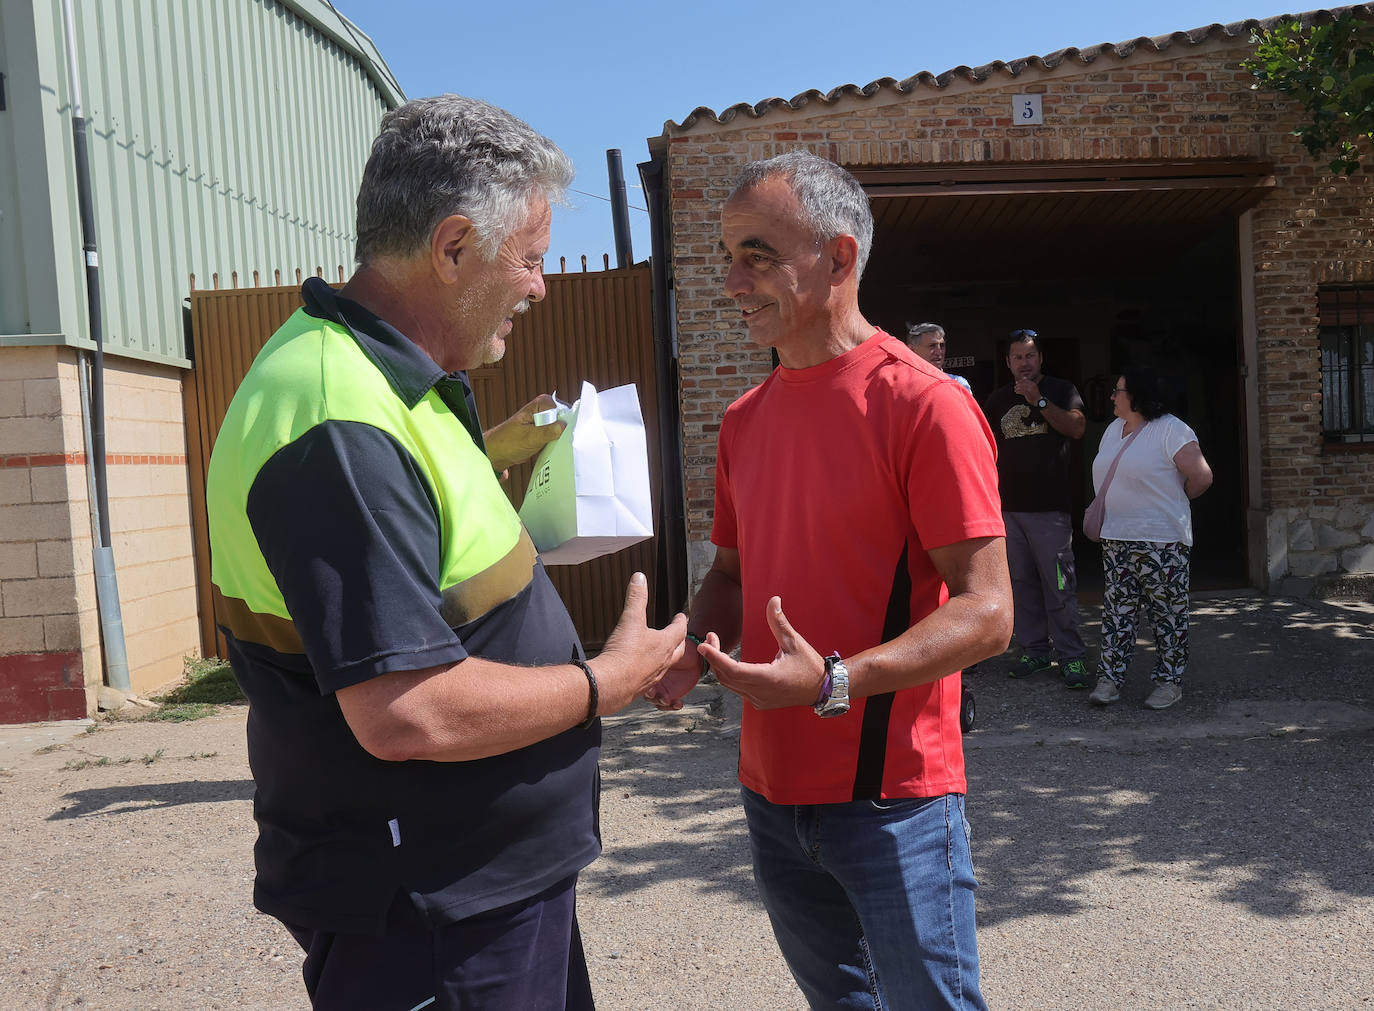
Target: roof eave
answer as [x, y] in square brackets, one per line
[886, 90]
[353, 40]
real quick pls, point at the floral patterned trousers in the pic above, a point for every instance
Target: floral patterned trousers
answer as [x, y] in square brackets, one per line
[1158, 575]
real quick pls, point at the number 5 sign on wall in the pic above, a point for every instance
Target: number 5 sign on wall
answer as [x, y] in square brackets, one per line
[1026, 111]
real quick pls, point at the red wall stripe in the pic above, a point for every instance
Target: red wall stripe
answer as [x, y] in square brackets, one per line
[78, 459]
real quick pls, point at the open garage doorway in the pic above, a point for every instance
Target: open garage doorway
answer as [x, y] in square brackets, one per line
[1109, 273]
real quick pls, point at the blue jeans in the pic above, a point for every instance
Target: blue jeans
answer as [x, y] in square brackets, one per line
[871, 901]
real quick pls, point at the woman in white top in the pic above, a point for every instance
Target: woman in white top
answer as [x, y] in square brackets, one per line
[1147, 535]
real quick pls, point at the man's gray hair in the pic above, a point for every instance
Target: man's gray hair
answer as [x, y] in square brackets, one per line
[446, 155]
[918, 330]
[832, 200]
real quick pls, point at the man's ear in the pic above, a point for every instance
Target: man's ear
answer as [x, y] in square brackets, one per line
[844, 259]
[452, 243]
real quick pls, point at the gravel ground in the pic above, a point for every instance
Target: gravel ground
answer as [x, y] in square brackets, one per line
[1217, 855]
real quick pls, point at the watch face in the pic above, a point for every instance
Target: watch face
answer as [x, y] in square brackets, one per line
[1041, 403]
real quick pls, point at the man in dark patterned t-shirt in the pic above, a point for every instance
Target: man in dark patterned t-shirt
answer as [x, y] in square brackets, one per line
[1033, 420]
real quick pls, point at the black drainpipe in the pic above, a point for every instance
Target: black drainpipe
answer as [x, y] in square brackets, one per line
[106, 586]
[672, 514]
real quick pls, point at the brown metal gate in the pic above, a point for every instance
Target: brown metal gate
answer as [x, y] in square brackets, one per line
[592, 326]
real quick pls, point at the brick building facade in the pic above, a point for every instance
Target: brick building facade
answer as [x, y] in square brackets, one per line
[1160, 214]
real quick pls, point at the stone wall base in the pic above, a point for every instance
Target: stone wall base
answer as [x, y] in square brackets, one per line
[1321, 551]
[1338, 586]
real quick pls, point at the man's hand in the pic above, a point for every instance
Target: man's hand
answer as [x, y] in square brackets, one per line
[517, 438]
[1029, 390]
[1070, 424]
[792, 679]
[636, 656]
[679, 679]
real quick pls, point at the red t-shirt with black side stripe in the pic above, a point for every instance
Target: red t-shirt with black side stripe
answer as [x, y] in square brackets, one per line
[833, 483]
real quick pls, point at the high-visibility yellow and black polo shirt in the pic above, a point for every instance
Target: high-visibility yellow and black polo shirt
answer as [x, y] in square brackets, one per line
[357, 529]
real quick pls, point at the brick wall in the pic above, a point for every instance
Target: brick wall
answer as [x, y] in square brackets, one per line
[1193, 102]
[49, 627]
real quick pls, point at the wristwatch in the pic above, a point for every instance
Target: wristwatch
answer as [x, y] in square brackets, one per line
[834, 700]
[1042, 403]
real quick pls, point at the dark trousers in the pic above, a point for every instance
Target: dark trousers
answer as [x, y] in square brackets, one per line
[1044, 585]
[527, 955]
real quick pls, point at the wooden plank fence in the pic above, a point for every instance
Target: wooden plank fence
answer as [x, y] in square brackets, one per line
[595, 326]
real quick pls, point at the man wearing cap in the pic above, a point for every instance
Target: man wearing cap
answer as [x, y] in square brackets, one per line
[1033, 418]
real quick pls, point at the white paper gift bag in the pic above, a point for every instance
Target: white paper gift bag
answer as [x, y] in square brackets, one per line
[589, 493]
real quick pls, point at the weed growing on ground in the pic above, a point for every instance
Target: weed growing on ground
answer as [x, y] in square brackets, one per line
[77, 764]
[209, 683]
[182, 712]
[104, 761]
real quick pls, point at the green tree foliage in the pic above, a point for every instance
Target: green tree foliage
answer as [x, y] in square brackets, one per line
[1329, 70]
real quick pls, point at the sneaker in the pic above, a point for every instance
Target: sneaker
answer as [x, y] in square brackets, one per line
[1166, 693]
[1028, 665]
[1075, 674]
[1105, 693]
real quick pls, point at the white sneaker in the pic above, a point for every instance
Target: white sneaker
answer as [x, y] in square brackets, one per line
[1105, 693]
[1166, 693]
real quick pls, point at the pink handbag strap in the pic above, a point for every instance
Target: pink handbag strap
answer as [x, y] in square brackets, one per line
[1111, 471]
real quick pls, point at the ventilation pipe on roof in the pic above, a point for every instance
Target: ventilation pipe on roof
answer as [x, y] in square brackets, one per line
[620, 209]
[93, 406]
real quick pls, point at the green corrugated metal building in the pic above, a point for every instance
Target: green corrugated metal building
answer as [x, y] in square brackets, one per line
[226, 140]
[225, 136]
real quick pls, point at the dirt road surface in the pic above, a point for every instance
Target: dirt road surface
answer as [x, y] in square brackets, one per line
[1216, 855]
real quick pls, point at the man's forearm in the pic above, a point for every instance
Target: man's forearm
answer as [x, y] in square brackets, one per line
[966, 629]
[1070, 424]
[718, 607]
[470, 710]
[974, 624]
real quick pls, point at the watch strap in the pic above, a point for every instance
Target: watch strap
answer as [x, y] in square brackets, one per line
[827, 687]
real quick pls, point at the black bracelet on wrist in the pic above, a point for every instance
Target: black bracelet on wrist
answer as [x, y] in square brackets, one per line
[593, 694]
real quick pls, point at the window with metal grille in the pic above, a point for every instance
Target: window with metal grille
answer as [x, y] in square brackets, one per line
[1347, 349]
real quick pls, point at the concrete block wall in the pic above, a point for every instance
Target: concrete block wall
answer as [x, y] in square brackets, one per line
[1191, 102]
[49, 641]
[150, 520]
[50, 655]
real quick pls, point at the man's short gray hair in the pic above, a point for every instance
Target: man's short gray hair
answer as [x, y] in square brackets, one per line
[919, 330]
[832, 200]
[446, 155]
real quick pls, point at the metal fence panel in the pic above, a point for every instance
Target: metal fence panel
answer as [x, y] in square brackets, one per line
[595, 326]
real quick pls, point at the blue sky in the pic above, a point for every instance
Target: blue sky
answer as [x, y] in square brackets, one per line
[604, 75]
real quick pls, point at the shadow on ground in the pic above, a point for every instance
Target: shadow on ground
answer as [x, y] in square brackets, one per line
[1263, 822]
[116, 800]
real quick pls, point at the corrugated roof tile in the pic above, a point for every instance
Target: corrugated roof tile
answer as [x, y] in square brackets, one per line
[978, 75]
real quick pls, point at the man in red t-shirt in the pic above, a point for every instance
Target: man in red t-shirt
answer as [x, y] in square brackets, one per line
[858, 486]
